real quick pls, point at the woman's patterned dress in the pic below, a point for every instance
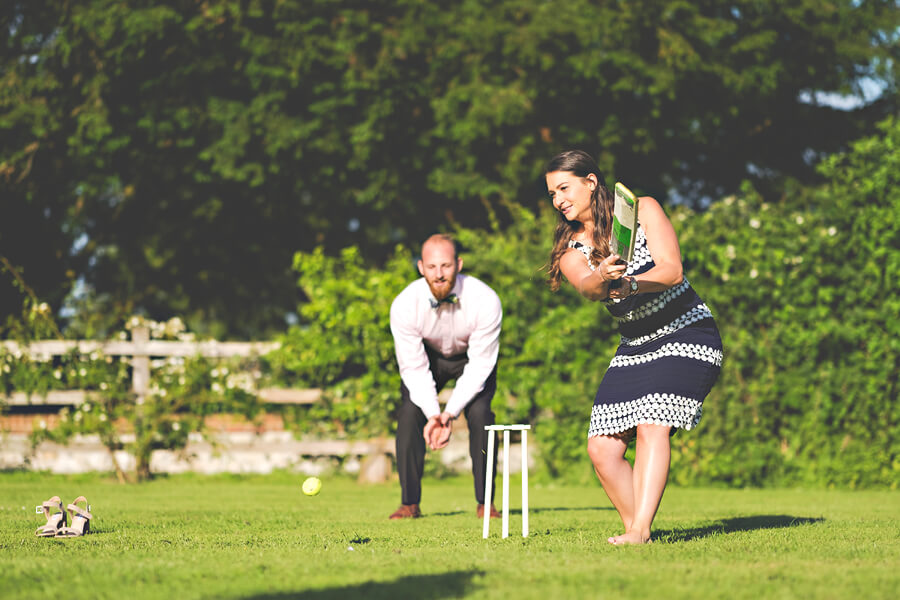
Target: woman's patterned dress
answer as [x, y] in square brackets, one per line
[668, 359]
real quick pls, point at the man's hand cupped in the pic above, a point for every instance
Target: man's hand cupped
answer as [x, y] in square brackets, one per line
[437, 431]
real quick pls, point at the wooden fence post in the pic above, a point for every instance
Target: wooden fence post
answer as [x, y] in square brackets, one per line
[140, 362]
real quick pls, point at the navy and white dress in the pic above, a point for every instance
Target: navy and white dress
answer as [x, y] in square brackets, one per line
[668, 359]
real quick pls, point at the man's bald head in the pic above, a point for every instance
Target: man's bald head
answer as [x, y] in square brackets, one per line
[440, 264]
[440, 239]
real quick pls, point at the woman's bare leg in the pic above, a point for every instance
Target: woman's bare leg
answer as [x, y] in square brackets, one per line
[651, 471]
[615, 473]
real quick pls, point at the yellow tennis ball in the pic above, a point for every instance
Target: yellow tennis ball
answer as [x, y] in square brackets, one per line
[312, 486]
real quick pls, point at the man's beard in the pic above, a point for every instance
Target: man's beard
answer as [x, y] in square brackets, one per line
[441, 290]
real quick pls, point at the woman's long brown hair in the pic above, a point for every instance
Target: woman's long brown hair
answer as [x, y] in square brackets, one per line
[581, 164]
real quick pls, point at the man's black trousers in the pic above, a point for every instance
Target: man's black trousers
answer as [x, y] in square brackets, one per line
[411, 422]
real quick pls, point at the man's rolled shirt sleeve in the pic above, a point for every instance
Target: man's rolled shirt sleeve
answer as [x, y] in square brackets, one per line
[412, 360]
[484, 346]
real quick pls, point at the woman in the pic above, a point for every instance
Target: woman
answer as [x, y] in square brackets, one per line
[670, 352]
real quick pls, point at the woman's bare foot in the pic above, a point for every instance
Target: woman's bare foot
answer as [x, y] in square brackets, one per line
[629, 537]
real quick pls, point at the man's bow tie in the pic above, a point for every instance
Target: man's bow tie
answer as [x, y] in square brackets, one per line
[450, 299]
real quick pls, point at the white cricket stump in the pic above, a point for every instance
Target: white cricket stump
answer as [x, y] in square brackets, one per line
[489, 477]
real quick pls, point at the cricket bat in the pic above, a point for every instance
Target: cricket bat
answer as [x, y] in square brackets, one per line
[624, 230]
[625, 220]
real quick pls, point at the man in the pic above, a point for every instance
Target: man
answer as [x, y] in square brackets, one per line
[445, 326]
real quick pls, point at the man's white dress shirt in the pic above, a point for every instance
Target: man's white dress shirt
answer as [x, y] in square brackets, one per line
[471, 326]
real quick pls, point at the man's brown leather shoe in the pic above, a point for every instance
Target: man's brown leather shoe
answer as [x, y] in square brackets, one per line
[407, 511]
[494, 513]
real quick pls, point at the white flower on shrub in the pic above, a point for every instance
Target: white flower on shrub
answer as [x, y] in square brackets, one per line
[176, 426]
[86, 407]
[42, 308]
[832, 231]
[754, 273]
[754, 223]
[82, 371]
[242, 381]
[174, 326]
[104, 386]
[103, 417]
[157, 330]
[43, 424]
[217, 387]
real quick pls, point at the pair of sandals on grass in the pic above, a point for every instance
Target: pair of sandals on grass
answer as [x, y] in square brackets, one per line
[56, 521]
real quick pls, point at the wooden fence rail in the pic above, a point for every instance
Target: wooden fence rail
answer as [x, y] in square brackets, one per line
[141, 349]
[374, 462]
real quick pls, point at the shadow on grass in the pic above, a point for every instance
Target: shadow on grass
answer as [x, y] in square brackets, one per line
[10, 470]
[562, 508]
[444, 585]
[733, 525]
[531, 510]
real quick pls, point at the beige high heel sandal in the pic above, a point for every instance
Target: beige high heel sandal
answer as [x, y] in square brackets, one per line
[81, 519]
[55, 521]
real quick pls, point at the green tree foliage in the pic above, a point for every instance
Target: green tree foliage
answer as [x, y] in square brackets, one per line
[344, 344]
[175, 154]
[805, 291]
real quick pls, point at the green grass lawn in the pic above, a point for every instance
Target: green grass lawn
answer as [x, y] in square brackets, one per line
[259, 537]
